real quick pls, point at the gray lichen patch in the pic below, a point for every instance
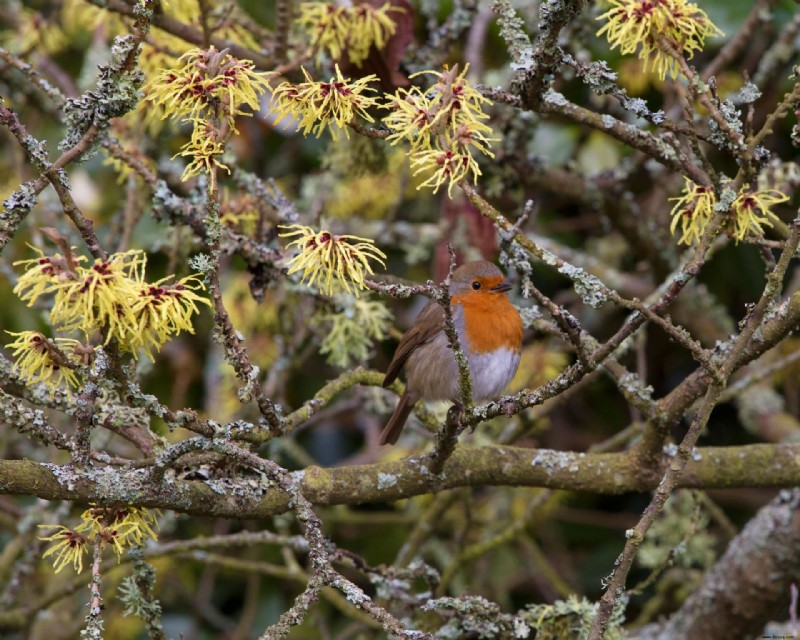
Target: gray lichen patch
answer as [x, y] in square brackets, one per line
[386, 480]
[590, 289]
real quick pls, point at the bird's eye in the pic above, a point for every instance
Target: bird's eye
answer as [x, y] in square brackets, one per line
[476, 285]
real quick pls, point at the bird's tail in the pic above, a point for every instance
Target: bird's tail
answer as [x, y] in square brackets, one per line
[391, 432]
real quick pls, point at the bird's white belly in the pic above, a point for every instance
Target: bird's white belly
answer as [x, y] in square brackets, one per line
[491, 372]
[433, 374]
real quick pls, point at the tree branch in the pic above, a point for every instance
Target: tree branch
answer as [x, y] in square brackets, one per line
[758, 465]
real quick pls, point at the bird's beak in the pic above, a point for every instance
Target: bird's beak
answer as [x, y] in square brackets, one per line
[502, 287]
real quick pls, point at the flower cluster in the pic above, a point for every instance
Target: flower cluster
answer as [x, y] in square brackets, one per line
[352, 30]
[120, 527]
[111, 297]
[649, 25]
[96, 297]
[51, 361]
[330, 261]
[162, 310]
[208, 81]
[693, 211]
[210, 85]
[317, 106]
[161, 50]
[749, 213]
[450, 165]
[205, 147]
[752, 211]
[351, 330]
[443, 125]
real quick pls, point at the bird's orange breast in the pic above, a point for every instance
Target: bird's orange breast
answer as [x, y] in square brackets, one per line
[490, 322]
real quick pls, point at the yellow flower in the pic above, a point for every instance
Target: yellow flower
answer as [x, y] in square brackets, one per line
[51, 361]
[327, 24]
[121, 527]
[648, 24]
[162, 51]
[111, 295]
[353, 30]
[205, 146]
[693, 210]
[99, 299]
[369, 26]
[451, 105]
[328, 260]
[320, 105]
[412, 113]
[162, 311]
[45, 274]
[69, 548]
[454, 98]
[86, 298]
[451, 166]
[207, 80]
[752, 210]
[443, 125]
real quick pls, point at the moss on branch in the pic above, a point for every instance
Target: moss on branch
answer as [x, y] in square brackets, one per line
[607, 473]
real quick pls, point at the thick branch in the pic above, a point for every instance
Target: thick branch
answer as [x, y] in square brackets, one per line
[749, 585]
[752, 466]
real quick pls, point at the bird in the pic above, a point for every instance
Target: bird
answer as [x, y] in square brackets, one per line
[490, 334]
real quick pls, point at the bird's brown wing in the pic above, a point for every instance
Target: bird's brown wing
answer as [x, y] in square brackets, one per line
[429, 322]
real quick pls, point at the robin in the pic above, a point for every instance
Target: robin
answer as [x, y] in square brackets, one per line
[489, 331]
